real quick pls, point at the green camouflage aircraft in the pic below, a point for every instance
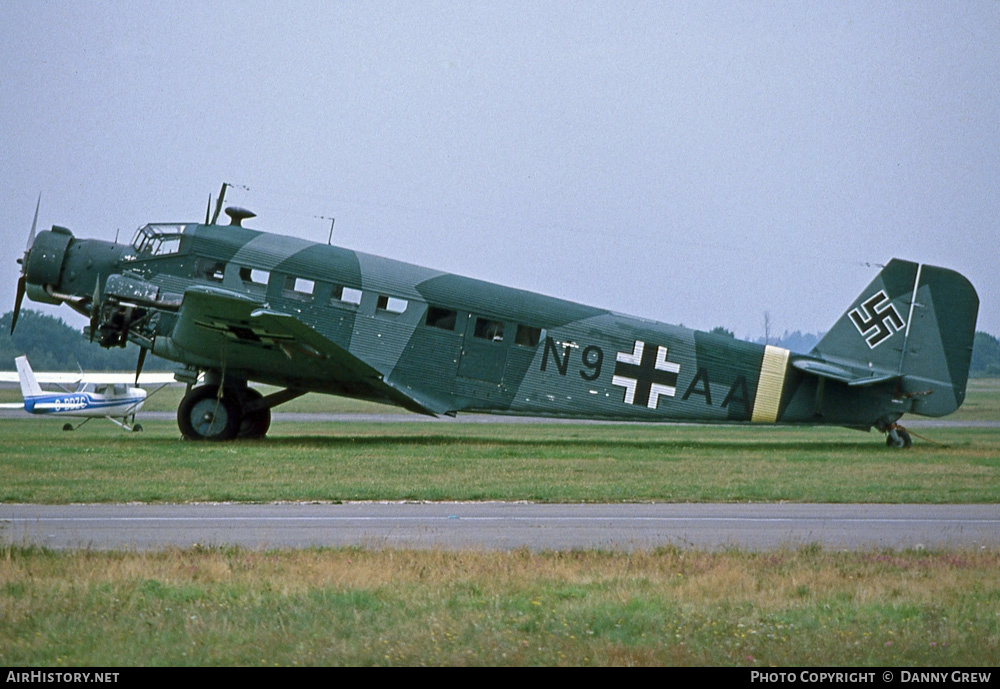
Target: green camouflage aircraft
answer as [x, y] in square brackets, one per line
[237, 305]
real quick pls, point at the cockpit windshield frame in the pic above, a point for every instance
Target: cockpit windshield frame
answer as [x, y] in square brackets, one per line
[158, 239]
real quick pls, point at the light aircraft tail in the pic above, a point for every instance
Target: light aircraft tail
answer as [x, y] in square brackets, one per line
[29, 385]
[914, 325]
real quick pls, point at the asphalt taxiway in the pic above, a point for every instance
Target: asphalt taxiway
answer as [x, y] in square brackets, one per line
[502, 526]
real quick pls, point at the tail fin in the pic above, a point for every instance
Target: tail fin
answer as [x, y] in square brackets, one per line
[29, 386]
[914, 323]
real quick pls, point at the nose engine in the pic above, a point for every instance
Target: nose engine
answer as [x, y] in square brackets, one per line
[59, 268]
[45, 257]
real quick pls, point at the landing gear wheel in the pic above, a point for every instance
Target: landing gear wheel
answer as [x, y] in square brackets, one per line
[254, 424]
[203, 415]
[67, 427]
[898, 438]
[137, 428]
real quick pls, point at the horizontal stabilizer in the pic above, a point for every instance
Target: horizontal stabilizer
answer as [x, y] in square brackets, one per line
[824, 369]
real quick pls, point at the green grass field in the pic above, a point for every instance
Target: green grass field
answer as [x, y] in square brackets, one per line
[418, 460]
[549, 463]
[390, 607]
[361, 607]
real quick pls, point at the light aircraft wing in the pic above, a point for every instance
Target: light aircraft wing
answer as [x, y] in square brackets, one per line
[283, 342]
[73, 379]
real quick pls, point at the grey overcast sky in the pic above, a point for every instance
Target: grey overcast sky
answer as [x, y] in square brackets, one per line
[693, 162]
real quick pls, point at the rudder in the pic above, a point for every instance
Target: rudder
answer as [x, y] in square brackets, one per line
[915, 323]
[29, 385]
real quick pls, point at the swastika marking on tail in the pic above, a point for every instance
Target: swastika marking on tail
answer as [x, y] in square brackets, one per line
[876, 319]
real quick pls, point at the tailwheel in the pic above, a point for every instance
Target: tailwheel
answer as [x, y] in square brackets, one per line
[255, 423]
[206, 415]
[898, 437]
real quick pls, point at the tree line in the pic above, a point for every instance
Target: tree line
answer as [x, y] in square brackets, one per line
[52, 345]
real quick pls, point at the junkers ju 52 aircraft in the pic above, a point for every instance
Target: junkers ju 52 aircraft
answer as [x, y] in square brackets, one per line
[239, 305]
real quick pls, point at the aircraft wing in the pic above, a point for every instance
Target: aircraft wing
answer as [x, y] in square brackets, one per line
[280, 341]
[73, 379]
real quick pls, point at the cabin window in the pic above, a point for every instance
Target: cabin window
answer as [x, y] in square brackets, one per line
[298, 288]
[441, 318]
[254, 276]
[390, 304]
[345, 295]
[207, 269]
[488, 330]
[527, 336]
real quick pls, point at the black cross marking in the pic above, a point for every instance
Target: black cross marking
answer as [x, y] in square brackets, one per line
[245, 333]
[645, 375]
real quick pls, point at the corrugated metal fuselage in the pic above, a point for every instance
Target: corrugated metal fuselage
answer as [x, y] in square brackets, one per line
[477, 346]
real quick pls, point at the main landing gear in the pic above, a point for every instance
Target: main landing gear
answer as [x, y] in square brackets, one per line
[898, 437]
[225, 412]
[209, 413]
[124, 424]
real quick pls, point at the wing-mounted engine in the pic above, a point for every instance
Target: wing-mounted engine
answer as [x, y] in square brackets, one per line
[129, 309]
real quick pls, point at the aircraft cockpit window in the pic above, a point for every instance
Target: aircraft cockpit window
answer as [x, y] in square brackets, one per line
[158, 240]
[527, 336]
[441, 318]
[118, 390]
[391, 304]
[298, 288]
[488, 330]
[101, 389]
[163, 246]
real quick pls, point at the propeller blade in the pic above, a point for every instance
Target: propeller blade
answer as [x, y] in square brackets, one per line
[142, 360]
[95, 307]
[21, 283]
[34, 224]
[209, 209]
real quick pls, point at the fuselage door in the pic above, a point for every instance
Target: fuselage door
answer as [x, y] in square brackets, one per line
[484, 351]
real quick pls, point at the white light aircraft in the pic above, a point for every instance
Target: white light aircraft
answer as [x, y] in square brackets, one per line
[106, 396]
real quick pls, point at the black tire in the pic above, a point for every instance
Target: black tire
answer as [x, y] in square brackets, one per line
[203, 415]
[137, 428]
[902, 440]
[67, 427]
[254, 425]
